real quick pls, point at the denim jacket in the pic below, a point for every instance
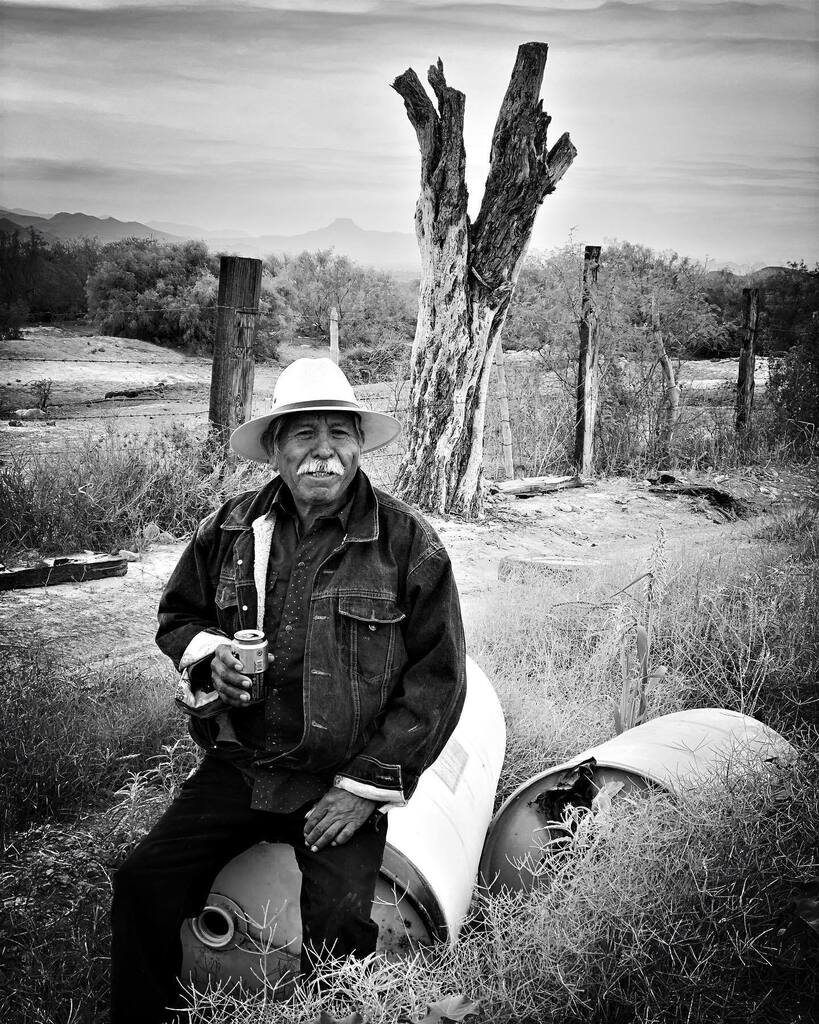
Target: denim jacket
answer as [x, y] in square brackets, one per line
[384, 663]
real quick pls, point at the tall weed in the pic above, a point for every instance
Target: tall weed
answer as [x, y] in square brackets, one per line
[104, 489]
[69, 738]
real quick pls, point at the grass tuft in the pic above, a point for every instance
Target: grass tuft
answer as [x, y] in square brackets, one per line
[69, 739]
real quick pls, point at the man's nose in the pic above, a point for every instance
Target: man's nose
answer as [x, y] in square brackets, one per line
[322, 446]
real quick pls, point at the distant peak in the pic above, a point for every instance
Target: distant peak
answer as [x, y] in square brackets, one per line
[344, 222]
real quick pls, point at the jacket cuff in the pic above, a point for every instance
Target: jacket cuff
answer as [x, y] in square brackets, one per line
[202, 646]
[375, 774]
[189, 690]
[389, 797]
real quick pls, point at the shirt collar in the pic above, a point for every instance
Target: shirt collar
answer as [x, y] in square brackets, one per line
[283, 501]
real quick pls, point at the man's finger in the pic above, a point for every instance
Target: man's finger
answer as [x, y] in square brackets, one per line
[345, 834]
[326, 836]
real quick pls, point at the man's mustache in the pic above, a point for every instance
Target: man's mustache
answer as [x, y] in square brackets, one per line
[332, 465]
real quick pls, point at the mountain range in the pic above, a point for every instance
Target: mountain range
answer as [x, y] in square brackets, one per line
[389, 250]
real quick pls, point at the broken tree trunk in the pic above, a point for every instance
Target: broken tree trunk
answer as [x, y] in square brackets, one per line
[468, 272]
[537, 485]
[670, 412]
[747, 360]
[588, 366]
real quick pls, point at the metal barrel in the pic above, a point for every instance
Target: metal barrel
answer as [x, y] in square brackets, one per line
[250, 927]
[674, 753]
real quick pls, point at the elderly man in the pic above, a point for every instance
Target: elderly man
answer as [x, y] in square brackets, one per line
[365, 683]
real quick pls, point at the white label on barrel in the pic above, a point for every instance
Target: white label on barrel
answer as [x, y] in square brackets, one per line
[450, 764]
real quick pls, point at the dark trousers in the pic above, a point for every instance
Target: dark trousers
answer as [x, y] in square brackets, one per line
[168, 876]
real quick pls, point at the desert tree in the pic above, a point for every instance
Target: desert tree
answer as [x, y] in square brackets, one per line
[468, 271]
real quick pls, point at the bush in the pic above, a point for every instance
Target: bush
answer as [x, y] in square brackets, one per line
[793, 386]
[372, 365]
[158, 292]
[12, 317]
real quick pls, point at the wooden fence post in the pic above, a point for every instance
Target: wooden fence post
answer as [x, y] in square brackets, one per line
[506, 429]
[747, 360]
[671, 395]
[588, 365]
[334, 335]
[231, 383]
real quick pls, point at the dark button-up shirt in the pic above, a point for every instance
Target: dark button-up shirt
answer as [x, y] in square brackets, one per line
[295, 560]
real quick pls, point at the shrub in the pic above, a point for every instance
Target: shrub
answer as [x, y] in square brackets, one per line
[371, 365]
[793, 386]
[12, 317]
[163, 293]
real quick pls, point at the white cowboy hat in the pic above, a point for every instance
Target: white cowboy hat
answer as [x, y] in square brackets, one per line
[313, 385]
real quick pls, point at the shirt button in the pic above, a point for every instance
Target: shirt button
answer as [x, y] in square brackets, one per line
[238, 561]
[288, 627]
[244, 607]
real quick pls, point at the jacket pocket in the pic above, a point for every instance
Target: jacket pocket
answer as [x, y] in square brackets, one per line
[225, 596]
[370, 636]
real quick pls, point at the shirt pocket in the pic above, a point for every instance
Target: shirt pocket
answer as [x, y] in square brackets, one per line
[370, 636]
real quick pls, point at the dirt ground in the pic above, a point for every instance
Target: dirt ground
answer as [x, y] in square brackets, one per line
[112, 621]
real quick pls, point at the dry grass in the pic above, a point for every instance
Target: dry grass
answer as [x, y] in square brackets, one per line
[103, 490]
[70, 738]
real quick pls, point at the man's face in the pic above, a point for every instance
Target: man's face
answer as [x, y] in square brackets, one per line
[317, 457]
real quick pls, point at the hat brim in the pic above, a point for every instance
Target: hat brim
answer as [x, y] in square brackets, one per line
[379, 427]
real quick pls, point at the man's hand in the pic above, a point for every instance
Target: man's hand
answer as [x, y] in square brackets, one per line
[335, 818]
[228, 680]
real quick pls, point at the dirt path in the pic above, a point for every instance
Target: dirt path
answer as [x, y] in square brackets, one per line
[112, 621]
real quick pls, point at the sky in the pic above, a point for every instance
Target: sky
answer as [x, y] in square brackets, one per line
[696, 121]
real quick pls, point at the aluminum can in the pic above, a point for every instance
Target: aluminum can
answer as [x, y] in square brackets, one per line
[250, 647]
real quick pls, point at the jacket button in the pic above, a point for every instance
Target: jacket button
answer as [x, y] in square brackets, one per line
[244, 607]
[238, 561]
[372, 627]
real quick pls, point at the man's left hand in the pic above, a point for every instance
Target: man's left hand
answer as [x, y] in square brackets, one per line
[335, 818]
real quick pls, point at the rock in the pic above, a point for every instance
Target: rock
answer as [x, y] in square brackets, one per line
[15, 423]
[166, 538]
[30, 414]
[51, 423]
[129, 556]
[151, 532]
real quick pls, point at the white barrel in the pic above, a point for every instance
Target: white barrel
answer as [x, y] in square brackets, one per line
[250, 927]
[674, 752]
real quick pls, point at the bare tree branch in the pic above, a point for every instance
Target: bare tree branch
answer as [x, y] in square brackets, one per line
[521, 172]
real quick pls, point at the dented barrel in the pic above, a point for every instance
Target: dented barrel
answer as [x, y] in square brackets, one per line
[250, 927]
[673, 753]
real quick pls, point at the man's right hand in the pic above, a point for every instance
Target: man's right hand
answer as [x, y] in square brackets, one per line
[228, 680]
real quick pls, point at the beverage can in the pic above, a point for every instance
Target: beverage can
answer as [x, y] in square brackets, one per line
[250, 647]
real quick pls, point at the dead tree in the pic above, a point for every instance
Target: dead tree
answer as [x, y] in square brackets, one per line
[468, 272]
[670, 409]
[747, 361]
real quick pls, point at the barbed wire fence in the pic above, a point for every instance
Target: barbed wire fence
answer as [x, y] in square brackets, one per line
[541, 412]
